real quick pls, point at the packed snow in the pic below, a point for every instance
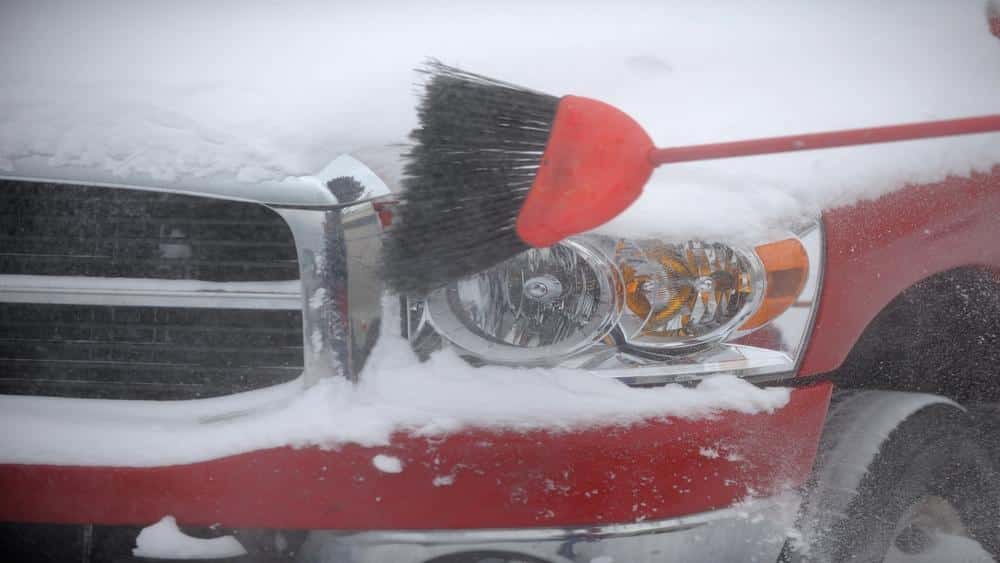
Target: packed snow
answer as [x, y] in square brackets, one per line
[387, 463]
[443, 481]
[164, 540]
[256, 91]
[433, 398]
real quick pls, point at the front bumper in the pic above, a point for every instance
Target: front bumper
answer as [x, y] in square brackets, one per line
[753, 531]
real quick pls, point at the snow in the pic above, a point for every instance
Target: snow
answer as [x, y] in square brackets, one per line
[443, 481]
[395, 393]
[258, 91]
[317, 299]
[710, 453]
[164, 540]
[387, 463]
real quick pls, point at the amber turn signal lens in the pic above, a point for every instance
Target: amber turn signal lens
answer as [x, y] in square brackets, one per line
[787, 267]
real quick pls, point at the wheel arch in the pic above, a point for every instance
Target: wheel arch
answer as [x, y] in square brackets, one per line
[876, 249]
[940, 336]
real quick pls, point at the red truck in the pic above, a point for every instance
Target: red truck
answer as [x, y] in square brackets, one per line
[159, 336]
[882, 318]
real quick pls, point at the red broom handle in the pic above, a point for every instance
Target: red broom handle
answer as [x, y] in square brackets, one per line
[828, 139]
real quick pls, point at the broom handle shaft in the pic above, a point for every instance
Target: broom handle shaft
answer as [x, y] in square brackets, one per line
[828, 139]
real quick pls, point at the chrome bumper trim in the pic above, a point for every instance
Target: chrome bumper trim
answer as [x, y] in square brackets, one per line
[136, 292]
[754, 531]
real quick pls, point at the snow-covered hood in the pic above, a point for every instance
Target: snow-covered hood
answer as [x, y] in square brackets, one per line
[257, 91]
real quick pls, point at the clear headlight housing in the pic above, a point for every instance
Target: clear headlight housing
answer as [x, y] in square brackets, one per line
[642, 310]
[542, 305]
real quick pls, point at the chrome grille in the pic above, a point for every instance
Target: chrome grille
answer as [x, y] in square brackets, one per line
[116, 293]
[65, 230]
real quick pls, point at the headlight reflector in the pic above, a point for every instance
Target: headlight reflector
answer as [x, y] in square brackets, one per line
[688, 293]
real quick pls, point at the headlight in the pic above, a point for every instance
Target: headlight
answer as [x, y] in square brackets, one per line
[683, 295]
[537, 307]
[642, 310]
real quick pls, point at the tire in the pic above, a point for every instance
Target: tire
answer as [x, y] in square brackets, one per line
[986, 418]
[934, 457]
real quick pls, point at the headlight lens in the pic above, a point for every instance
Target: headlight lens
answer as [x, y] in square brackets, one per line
[537, 307]
[644, 310]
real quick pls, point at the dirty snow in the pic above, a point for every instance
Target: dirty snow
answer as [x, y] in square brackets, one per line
[395, 393]
[387, 463]
[257, 91]
[164, 540]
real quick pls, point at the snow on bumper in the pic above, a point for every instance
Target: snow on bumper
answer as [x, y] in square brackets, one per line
[652, 470]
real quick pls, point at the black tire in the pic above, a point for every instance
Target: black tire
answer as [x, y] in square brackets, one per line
[936, 452]
[986, 418]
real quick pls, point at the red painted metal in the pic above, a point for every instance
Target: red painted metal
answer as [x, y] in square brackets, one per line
[610, 474]
[878, 248]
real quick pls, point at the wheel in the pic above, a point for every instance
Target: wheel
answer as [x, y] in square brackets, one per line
[930, 493]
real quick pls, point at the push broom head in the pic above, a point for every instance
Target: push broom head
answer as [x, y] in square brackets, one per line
[497, 169]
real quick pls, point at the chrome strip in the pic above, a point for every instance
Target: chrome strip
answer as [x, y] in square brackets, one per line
[324, 329]
[754, 530]
[137, 292]
[505, 535]
[338, 252]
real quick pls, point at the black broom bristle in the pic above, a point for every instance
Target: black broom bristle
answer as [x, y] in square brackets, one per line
[477, 150]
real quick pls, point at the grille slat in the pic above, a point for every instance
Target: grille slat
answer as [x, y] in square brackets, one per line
[132, 350]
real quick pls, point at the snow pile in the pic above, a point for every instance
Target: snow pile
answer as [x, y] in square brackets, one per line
[164, 540]
[387, 463]
[437, 397]
[255, 90]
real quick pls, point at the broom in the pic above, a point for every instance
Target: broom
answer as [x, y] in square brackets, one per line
[497, 169]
